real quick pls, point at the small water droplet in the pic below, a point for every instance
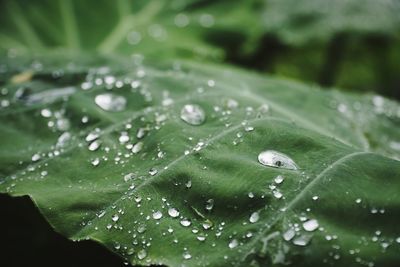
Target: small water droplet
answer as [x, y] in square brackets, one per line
[46, 113]
[142, 254]
[233, 243]
[186, 255]
[110, 102]
[310, 225]
[254, 217]
[276, 159]
[173, 212]
[94, 145]
[193, 114]
[279, 179]
[289, 234]
[95, 162]
[115, 217]
[186, 222]
[302, 240]
[157, 215]
[36, 157]
[137, 147]
[153, 171]
[210, 204]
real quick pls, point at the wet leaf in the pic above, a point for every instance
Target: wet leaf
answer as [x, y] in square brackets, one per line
[156, 189]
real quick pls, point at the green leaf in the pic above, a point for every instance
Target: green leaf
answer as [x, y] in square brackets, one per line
[339, 196]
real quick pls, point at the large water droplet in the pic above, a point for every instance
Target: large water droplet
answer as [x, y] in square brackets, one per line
[186, 255]
[289, 234]
[186, 222]
[310, 225]
[110, 102]
[302, 240]
[276, 159]
[137, 147]
[193, 114]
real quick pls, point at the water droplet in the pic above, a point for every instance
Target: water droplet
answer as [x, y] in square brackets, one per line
[210, 204]
[251, 195]
[186, 222]
[46, 113]
[310, 225]
[142, 254]
[36, 157]
[279, 179]
[95, 162]
[358, 200]
[233, 243]
[129, 176]
[254, 217]
[193, 114]
[153, 171]
[276, 159]
[137, 147]
[94, 145]
[186, 255]
[315, 198]
[123, 138]
[302, 240]
[277, 194]
[398, 240]
[115, 217]
[289, 234]
[173, 212]
[92, 136]
[110, 102]
[157, 215]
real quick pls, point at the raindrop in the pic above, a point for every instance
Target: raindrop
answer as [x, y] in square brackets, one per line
[277, 194]
[137, 147]
[95, 162]
[123, 138]
[186, 255]
[310, 225]
[94, 145]
[142, 254]
[193, 114]
[276, 159]
[186, 222]
[398, 240]
[36, 157]
[153, 171]
[210, 204]
[110, 102]
[254, 217]
[46, 113]
[233, 243]
[92, 136]
[115, 217]
[157, 215]
[289, 234]
[302, 240]
[279, 179]
[173, 212]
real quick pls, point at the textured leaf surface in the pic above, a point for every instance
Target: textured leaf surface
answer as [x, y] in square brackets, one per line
[345, 147]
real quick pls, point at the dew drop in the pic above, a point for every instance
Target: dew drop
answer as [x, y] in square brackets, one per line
[186, 255]
[137, 147]
[193, 114]
[279, 179]
[310, 225]
[254, 217]
[157, 215]
[46, 113]
[142, 254]
[233, 243]
[210, 204]
[36, 157]
[94, 145]
[95, 162]
[276, 159]
[186, 222]
[173, 212]
[153, 171]
[115, 217]
[302, 240]
[289, 234]
[110, 102]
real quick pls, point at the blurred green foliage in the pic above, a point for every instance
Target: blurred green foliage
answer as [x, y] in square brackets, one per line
[349, 44]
